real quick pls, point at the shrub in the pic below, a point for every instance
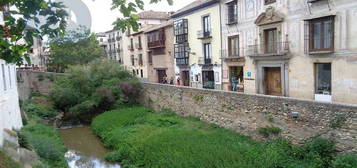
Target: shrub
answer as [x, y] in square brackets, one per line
[269, 130]
[94, 88]
[45, 141]
[42, 111]
[118, 155]
[338, 121]
[345, 161]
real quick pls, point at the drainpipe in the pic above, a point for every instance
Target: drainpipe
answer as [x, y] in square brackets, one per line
[220, 51]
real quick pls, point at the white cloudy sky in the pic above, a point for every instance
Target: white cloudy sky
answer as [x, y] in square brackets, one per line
[103, 17]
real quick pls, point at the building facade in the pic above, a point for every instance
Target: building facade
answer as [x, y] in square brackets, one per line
[10, 116]
[160, 53]
[113, 45]
[296, 48]
[197, 44]
[136, 51]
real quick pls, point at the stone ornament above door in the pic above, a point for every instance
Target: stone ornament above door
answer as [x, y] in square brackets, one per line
[268, 17]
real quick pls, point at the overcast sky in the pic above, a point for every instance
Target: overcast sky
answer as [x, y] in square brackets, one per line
[103, 17]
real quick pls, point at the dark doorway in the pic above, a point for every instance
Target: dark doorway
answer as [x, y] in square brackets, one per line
[208, 79]
[185, 76]
[236, 78]
[273, 81]
[161, 74]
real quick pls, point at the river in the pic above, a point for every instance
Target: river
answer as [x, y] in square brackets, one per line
[85, 150]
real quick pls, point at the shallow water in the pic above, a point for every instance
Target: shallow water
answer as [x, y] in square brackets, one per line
[85, 150]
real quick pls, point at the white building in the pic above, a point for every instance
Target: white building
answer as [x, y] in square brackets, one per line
[10, 116]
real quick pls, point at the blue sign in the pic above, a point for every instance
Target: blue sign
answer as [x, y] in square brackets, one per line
[249, 74]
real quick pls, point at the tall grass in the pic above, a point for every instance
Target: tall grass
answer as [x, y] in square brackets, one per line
[145, 138]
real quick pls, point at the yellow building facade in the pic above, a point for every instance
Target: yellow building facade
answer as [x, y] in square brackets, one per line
[198, 43]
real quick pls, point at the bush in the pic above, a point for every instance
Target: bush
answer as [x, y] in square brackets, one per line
[268, 131]
[46, 143]
[42, 111]
[94, 88]
[345, 161]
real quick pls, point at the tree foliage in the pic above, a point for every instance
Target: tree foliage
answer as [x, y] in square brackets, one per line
[72, 48]
[16, 21]
[129, 10]
[28, 11]
[94, 88]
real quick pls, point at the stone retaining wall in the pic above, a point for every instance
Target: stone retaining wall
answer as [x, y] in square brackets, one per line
[29, 81]
[244, 113]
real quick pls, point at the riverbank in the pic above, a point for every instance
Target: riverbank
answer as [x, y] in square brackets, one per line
[146, 138]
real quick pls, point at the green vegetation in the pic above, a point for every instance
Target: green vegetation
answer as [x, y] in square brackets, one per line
[42, 111]
[268, 131]
[94, 88]
[7, 162]
[142, 137]
[338, 121]
[73, 48]
[198, 98]
[42, 139]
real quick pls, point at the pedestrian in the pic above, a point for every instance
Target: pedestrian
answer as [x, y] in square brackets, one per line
[178, 83]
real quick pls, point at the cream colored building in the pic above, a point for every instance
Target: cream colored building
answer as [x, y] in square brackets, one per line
[198, 44]
[160, 40]
[135, 49]
[296, 48]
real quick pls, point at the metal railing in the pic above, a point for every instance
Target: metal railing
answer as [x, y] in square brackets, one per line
[156, 44]
[278, 48]
[130, 47]
[233, 53]
[204, 34]
[204, 61]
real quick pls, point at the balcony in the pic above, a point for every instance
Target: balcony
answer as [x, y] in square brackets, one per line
[138, 46]
[204, 34]
[233, 56]
[118, 38]
[182, 61]
[204, 61]
[273, 50]
[156, 44]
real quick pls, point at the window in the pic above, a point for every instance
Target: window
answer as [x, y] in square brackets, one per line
[140, 59]
[232, 10]
[101, 39]
[206, 21]
[207, 48]
[10, 82]
[181, 54]
[323, 78]
[133, 71]
[131, 44]
[150, 58]
[267, 2]
[271, 38]
[139, 39]
[233, 46]
[3, 76]
[322, 34]
[141, 73]
[132, 60]
[181, 30]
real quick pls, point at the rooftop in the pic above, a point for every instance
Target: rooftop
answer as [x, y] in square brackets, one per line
[198, 4]
[154, 15]
[156, 27]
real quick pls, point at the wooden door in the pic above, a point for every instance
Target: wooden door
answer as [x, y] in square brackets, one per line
[161, 75]
[273, 81]
[185, 76]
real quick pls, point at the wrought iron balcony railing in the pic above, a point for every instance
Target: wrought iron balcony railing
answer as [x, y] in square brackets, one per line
[269, 49]
[204, 61]
[233, 54]
[202, 34]
[156, 44]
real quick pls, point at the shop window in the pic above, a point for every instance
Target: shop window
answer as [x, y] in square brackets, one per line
[323, 78]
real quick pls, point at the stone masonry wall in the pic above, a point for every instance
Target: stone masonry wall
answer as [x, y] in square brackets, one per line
[244, 113]
[29, 82]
